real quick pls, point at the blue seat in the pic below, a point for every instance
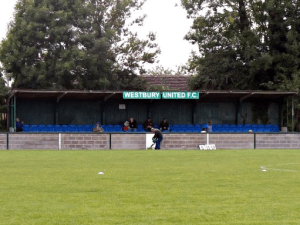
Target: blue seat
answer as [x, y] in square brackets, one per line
[156, 126]
[33, 128]
[79, 128]
[65, 128]
[267, 129]
[190, 129]
[87, 128]
[275, 127]
[41, 128]
[140, 129]
[183, 126]
[175, 130]
[109, 129]
[49, 128]
[72, 128]
[57, 128]
[199, 129]
[117, 129]
[26, 128]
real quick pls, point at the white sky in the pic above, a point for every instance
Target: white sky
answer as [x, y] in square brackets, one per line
[163, 18]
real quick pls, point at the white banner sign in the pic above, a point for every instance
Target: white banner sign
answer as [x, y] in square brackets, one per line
[207, 147]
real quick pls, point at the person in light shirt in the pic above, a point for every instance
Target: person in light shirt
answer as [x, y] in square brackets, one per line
[208, 127]
[98, 128]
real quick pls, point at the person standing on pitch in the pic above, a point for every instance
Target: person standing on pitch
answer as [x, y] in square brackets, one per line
[158, 136]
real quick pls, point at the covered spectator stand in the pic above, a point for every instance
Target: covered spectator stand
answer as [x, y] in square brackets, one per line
[74, 107]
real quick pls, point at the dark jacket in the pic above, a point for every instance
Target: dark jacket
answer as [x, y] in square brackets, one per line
[162, 125]
[157, 134]
[146, 124]
[132, 124]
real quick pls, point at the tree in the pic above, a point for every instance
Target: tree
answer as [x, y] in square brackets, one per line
[3, 93]
[245, 44]
[159, 70]
[75, 44]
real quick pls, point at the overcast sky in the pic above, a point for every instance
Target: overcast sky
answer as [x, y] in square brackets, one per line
[163, 18]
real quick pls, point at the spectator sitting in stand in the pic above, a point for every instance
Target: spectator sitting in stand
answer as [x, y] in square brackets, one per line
[132, 124]
[148, 124]
[208, 127]
[98, 128]
[126, 126]
[19, 125]
[203, 130]
[164, 125]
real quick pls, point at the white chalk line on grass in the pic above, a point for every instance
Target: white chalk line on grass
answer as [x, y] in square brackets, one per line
[287, 170]
[281, 169]
[287, 164]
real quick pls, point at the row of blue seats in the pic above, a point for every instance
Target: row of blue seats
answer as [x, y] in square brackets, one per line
[58, 128]
[172, 128]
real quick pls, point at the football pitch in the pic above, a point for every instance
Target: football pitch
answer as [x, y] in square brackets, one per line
[150, 187]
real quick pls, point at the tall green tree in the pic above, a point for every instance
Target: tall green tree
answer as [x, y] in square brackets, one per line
[3, 93]
[245, 44]
[75, 44]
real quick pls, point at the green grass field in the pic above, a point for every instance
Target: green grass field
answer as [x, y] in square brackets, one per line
[150, 187]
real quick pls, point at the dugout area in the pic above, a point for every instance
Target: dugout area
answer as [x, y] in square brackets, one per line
[109, 107]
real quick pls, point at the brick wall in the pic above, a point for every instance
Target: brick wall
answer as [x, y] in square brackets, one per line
[277, 141]
[84, 141]
[33, 141]
[128, 141]
[183, 141]
[232, 141]
[222, 141]
[138, 141]
[3, 140]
